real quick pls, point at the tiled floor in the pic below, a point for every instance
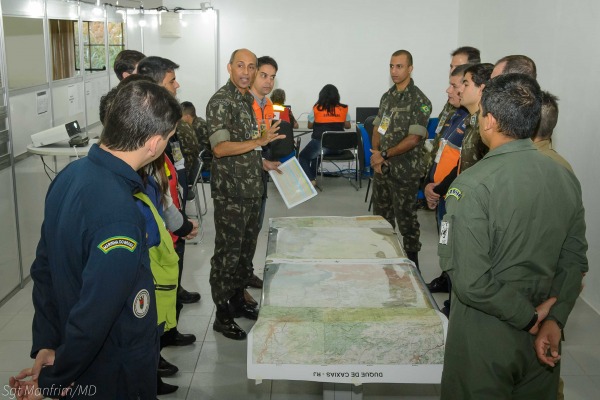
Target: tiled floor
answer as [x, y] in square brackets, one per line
[215, 367]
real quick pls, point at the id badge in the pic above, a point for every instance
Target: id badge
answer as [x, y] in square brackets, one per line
[178, 160]
[385, 123]
[438, 155]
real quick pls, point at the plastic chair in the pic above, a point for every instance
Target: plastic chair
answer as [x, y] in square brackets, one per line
[345, 145]
[199, 178]
[368, 126]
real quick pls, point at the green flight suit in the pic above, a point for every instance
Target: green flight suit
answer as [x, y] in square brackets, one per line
[513, 236]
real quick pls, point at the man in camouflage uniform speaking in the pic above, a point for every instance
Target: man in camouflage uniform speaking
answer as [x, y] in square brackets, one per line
[398, 134]
[237, 189]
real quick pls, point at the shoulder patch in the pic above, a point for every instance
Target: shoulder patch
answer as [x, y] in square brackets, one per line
[426, 109]
[141, 303]
[117, 242]
[454, 192]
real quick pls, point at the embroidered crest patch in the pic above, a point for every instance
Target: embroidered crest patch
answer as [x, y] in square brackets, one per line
[426, 109]
[118, 242]
[141, 303]
[454, 192]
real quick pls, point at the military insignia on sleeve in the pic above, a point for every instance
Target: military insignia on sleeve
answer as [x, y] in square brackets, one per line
[118, 242]
[455, 193]
[141, 303]
[426, 109]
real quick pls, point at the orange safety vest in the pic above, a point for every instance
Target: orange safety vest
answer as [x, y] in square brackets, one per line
[281, 112]
[172, 177]
[265, 116]
[323, 117]
[328, 122]
[448, 161]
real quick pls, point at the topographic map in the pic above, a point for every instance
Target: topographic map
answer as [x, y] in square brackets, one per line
[342, 304]
[346, 314]
[332, 238]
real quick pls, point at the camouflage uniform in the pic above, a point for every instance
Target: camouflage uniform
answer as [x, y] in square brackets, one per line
[237, 188]
[444, 117]
[473, 148]
[201, 130]
[189, 147]
[395, 193]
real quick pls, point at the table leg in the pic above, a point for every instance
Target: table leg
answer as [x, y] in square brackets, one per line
[342, 391]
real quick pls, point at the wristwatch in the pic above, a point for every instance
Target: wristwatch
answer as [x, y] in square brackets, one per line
[384, 154]
[532, 322]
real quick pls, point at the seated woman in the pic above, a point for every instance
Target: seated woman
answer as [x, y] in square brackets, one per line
[328, 114]
[285, 113]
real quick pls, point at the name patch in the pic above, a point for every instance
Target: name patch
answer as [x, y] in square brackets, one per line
[444, 228]
[118, 242]
[455, 193]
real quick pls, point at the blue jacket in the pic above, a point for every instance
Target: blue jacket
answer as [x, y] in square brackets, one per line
[93, 289]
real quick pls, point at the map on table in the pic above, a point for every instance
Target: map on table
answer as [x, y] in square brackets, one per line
[333, 238]
[342, 304]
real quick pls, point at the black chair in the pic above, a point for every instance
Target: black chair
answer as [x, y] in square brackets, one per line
[345, 148]
[369, 128]
[198, 178]
[282, 148]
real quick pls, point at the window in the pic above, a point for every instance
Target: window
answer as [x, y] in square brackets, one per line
[94, 48]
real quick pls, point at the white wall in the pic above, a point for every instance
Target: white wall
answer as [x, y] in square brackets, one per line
[347, 43]
[194, 51]
[561, 38]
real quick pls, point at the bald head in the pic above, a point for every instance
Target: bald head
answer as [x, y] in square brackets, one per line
[241, 68]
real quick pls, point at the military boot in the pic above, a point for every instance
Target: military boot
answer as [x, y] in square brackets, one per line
[225, 324]
[240, 308]
[414, 257]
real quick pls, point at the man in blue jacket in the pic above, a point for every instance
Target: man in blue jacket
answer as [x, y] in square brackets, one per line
[95, 325]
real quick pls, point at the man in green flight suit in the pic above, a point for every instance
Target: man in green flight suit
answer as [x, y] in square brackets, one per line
[513, 242]
[237, 189]
[398, 134]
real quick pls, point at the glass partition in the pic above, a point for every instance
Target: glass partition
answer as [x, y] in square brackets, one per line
[25, 52]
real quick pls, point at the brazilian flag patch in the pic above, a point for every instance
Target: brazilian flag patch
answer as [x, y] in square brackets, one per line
[118, 242]
[426, 109]
[455, 193]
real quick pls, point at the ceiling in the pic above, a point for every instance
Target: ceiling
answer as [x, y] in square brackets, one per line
[134, 3]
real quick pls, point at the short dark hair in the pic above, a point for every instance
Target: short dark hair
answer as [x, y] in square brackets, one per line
[187, 108]
[480, 73]
[515, 101]
[107, 99]
[460, 70]
[518, 64]
[266, 60]
[278, 96]
[406, 53]
[126, 61]
[156, 67]
[548, 117]
[139, 111]
[473, 54]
